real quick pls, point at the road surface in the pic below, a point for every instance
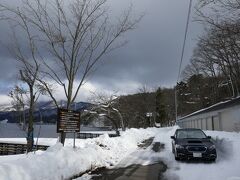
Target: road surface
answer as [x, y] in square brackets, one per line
[135, 172]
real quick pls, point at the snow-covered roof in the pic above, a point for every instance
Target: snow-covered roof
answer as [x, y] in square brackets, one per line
[221, 105]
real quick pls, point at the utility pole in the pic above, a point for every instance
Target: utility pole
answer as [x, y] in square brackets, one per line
[182, 55]
[176, 104]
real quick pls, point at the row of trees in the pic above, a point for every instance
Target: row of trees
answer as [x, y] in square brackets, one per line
[214, 69]
[140, 110]
[61, 43]
[217, 54]
[146, 108]
[143, 109]
[198, 92]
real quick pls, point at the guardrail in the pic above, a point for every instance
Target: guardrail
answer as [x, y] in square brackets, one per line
[15, 148]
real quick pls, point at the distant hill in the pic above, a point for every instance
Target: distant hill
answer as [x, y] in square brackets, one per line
[45, 111]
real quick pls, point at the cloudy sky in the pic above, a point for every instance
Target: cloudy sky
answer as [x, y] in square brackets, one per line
[151, 57]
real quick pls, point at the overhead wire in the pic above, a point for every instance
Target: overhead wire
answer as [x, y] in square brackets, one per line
[182, 54]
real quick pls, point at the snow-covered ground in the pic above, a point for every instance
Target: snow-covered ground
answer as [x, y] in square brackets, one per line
[227, 166]
[63, 162]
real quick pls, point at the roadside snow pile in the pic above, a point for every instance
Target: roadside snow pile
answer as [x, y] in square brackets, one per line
[3, 121]
[149, 156]
[60, 162]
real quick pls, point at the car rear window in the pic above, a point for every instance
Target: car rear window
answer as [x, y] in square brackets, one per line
[182, 134]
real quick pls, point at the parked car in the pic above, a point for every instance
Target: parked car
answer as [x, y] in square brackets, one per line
[193, 143]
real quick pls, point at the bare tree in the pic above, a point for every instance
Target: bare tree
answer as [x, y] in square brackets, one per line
[218, 50]
[77, 35]
[218, 53]
[192, 68]
[18, 101]
[106, 106]
[27, 57]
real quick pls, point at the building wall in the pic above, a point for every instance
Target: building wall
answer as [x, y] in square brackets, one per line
[227, 119]
[231, 120]
[204, 124]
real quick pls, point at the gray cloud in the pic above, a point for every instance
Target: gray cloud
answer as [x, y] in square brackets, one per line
[152, 55]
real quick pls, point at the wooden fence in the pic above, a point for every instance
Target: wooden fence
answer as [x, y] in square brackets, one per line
[7, 148]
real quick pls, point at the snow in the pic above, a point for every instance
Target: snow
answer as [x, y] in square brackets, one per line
[6, 108]
[4, 121]
[226, 166]
[191, 102]
[63, 162]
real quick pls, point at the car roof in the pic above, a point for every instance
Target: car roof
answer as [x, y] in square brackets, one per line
[189, 129]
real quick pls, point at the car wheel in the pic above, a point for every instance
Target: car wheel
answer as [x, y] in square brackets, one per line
[176, 158]
[213, 160]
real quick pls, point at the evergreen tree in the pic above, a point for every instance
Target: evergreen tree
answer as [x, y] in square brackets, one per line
[160, 107]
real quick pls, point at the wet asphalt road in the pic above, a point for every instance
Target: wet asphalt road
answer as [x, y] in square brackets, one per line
[135, 172]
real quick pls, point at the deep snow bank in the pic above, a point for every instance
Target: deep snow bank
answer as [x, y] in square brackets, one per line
[63, 162]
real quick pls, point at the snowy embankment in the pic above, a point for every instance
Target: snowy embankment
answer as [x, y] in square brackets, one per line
[63, 162]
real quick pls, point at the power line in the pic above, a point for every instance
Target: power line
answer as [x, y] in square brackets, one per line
[185, 38]
[182, 54]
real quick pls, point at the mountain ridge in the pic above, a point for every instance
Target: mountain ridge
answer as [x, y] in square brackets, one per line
[45, 111]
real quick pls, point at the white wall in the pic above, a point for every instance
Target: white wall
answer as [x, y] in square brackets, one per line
[222, 120]
[231, 120]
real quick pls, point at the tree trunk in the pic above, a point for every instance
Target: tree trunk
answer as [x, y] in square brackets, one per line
[30, 139]
[115, 124]
[62, 137]
[63, 134]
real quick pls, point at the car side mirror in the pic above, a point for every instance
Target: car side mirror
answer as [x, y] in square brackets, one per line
[209, 137]
[172, 137]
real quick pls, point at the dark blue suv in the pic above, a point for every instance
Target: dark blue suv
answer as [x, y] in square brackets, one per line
[193, 143]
